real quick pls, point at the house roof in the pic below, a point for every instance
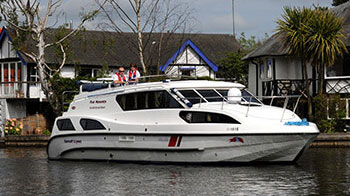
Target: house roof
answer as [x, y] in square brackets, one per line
[196, 49]
[97, 48]
[274, 46]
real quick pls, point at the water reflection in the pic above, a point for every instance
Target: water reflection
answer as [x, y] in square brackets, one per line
[26, 171]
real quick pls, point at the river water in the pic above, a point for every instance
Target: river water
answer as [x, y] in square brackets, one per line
[26, 171]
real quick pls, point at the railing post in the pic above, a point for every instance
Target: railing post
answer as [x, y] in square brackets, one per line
[347, 108]
[222, 103]
[273, 97]
[296, 104]
[250, 100]
[284, 107]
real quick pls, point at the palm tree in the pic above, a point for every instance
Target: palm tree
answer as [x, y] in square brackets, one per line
[325, 42]
[293, 27]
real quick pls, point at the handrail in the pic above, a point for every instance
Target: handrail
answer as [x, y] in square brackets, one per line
[224, 99]
[250, 100]
[284, 107]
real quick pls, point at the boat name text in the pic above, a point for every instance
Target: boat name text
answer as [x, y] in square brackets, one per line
[72, 141]
[97, 101]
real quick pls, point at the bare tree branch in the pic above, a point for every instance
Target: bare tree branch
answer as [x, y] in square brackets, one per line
[63, 60]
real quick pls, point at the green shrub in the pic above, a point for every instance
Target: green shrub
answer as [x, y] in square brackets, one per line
[46, 132]
[329, 112]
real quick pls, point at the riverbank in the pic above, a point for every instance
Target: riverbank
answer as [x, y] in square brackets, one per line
[24, 141]
[336, 140]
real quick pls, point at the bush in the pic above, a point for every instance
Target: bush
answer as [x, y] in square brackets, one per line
[329, 114]
[46, 132]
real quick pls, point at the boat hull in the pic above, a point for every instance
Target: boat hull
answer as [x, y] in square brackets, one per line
[180, 148]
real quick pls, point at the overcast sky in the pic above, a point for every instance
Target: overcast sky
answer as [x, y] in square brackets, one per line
[254, 17]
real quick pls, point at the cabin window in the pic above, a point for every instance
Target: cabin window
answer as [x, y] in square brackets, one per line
[191, 96]
[89, 124]
[248, 97]
[210, 95]
[206, 117]
[65, 125]
[147, 100]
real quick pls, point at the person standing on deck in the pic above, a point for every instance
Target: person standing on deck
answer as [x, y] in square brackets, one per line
[133, 74]
[119, 77]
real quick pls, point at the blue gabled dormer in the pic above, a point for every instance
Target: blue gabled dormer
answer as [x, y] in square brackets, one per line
[189, 60]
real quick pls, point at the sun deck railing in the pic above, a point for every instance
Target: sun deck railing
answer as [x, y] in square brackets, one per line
[247, 100]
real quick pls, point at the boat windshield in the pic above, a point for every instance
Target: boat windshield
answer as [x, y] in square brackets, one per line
[215, 95]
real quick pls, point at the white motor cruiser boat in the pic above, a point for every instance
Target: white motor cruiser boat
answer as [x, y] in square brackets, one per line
[191, 121]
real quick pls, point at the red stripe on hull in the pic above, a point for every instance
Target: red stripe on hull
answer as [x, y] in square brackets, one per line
[172, 141]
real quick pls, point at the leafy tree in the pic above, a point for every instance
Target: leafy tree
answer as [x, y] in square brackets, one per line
[250, 44]
[233, 67]
[338, 2]
[293, 28]
[324, 41]
[313, 36]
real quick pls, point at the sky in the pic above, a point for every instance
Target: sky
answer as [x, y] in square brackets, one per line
[253, 17]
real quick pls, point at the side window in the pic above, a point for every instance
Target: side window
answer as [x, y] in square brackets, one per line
[147, 100]
[89, 124]
[206, 117]
[65, 125]
[210, 95]
[191, 96]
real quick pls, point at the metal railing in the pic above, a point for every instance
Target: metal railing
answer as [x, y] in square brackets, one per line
[284, 87]
[247, 100]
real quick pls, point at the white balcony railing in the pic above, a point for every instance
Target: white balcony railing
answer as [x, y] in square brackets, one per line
[21, 90]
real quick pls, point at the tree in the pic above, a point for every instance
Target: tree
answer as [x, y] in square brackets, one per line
[233, 67]
[293, 28]
[325, 42]
[338, 2]
[30, 20]
[314, 36]
[141, 16]
[250, 44]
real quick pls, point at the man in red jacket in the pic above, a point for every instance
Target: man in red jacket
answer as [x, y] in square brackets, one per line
[119, 77]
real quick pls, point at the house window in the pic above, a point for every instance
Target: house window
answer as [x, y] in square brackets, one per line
[6, 73]
[268, 68]
[340, 68]
[186, 72]
[262, 70]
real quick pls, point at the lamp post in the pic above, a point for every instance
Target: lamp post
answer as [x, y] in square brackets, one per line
[233, 18]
